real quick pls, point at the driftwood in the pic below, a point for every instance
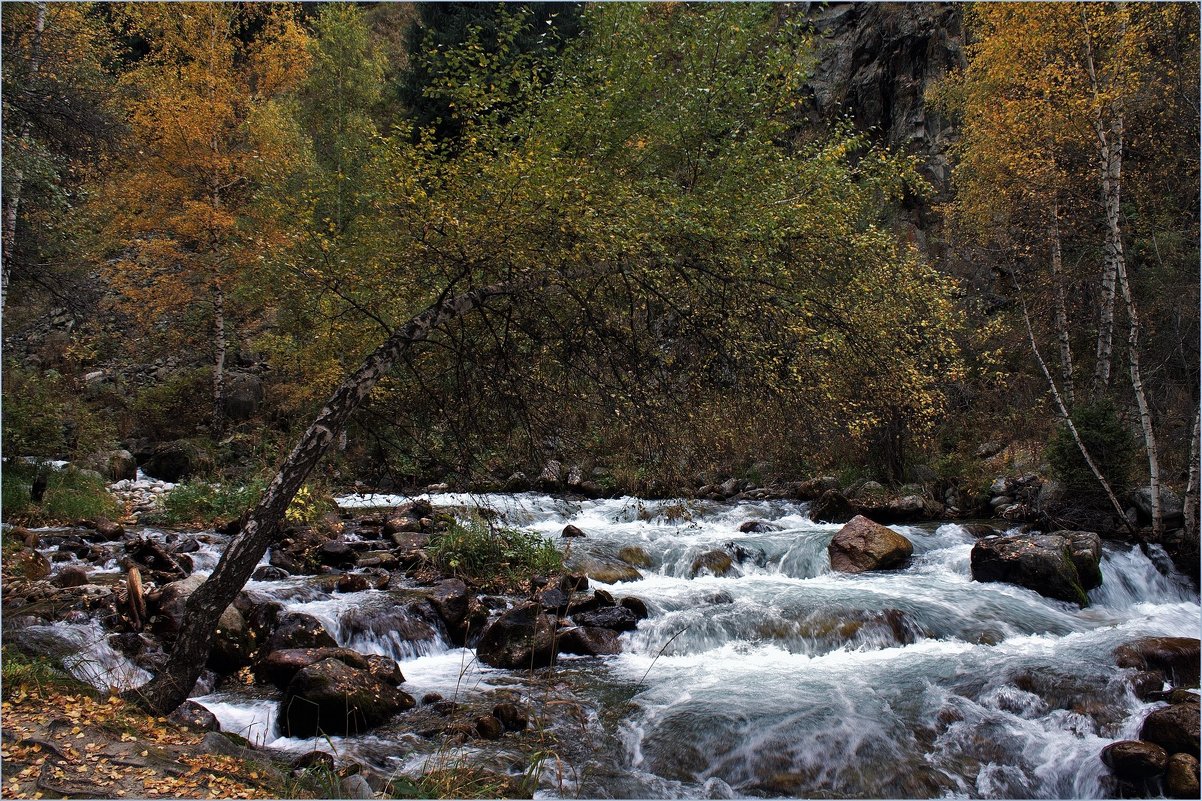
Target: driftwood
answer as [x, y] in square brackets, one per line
[153, 556]
[135, 598]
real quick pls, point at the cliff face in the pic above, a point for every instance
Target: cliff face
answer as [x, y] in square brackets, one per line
[876, 61]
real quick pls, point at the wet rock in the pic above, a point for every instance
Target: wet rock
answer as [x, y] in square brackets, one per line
[636, 605]
[589, 641]
[549, 478]
[329, 697]
[310, 760]
[194, 716]
[832, 507]
[815, 487]
[517, 482]
[634, 555]
[553, 599]
[269, 573]
[757, 527]
[716, 563]
[450, 600]
[1040, 562]
[523, 637]
[352, 582]
[1134, 760]
[864, 545]
[337, 553]
[231, 642]
[355, 786]
[1085, 548]
[1174, 658]
[29, 564]
[171, 600]
[512, 716]
[573, 582]
[979, 530]
[279, 667]
[431, 698]
[618, 618]
[1146, 683]
[106, 528]
[70, 576]
[385, 669]
[604, 569]
[1171, 508]
[1174, 728]
[298, 630]
[1181, 776]
[571, 531]
[171, 461]
[489, 728]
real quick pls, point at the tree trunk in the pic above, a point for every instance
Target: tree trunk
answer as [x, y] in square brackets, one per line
[1066, 351]
[1110, 143]
[219, 344]
[191, 649]
[1191, 487]
[1067, 419]
[17, 178]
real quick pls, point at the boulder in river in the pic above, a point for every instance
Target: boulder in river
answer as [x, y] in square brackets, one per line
[1174, 658]
[618, 618]
[70, 576]
[1045, 563]
[606, 569]
[572, 531]
[523, 637]
[450, 600]
[832, 507]
[330, 697]
[590, 641]
[28, 563]
[172, 461]
[814, 488]
[298, 630]
[864, 545]
[1134, 760]
[715, 563]
[1181, 776]
[1174, 728]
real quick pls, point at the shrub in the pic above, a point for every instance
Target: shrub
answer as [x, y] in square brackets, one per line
[201, 502]
[73, 494]
[45, 415]
[16, 481]
[488, 555]
[175, 407]
[1110, 445]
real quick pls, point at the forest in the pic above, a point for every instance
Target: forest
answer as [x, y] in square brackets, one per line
[342, 340]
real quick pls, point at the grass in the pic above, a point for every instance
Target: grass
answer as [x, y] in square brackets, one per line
[71, 495]
[493, 556]
[19, 671]
[204, 503]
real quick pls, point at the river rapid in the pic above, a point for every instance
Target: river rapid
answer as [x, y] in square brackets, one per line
[781, 679]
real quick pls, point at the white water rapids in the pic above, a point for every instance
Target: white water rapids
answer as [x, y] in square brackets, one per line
[785, 679]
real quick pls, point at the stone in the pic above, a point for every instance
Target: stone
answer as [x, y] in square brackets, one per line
[512, 717]
[1134, 760]
[298, 630]
[279, 667]
[172, 461]
[194, 716]
[757, 527]
[553, 599]
[573, 582]
[832, 507]
[1174, 658]
[1171, 508]
[243, 395]
[269, 573]
[1085, 549]
[1040, 562]
[604, 569]
[1174, 728]
[522, 638]
[70, 576]
[572, 531]
[590, 641]
[1181, 776]
[635, 555]
[863, 545]
[450, 600]
[489, 727]
[618, 618]
[980, 530]
[231, 642]
[549, 478]
[332, 698]
[715, 563]
[310, 760]
[355, 786]
[815, 487]
[337, 553]
[636, 605]
[352, 582]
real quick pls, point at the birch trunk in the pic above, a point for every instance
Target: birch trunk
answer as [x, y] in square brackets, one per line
[1110, 143]
[1068, 421]
[16, 179]
[1066, 351]
[191, 649]
[219, 347]
[1191, 487]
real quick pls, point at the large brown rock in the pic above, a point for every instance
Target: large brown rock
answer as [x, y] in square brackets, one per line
[523, 637]
[1174, 728]
[1175, 658]
[832, 507]
[590, 641]
[1134, 760]
[298, 630]
[1045, 563]
[605, 569]
[864, 545]
[330, 697]
[1181, 776]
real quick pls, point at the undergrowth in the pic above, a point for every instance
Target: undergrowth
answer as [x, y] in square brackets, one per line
[204, 503]
[19, 671]
[70, 495]
[493, 556]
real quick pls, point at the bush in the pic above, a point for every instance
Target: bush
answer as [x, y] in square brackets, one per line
[16, 481]
[486, 555]
[44, 415]
[1110, 445]
[200, 502]
[174, 408]
[73, 494]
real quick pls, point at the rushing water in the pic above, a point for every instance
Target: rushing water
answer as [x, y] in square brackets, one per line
[783, 678]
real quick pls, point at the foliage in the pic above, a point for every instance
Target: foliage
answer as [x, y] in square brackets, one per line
[307, 506]
[44, 415]
[20, 672]
[196, 502]
[73, 495]
[487, 554]
[1109, 442]
[172, 408]
[16, 481]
